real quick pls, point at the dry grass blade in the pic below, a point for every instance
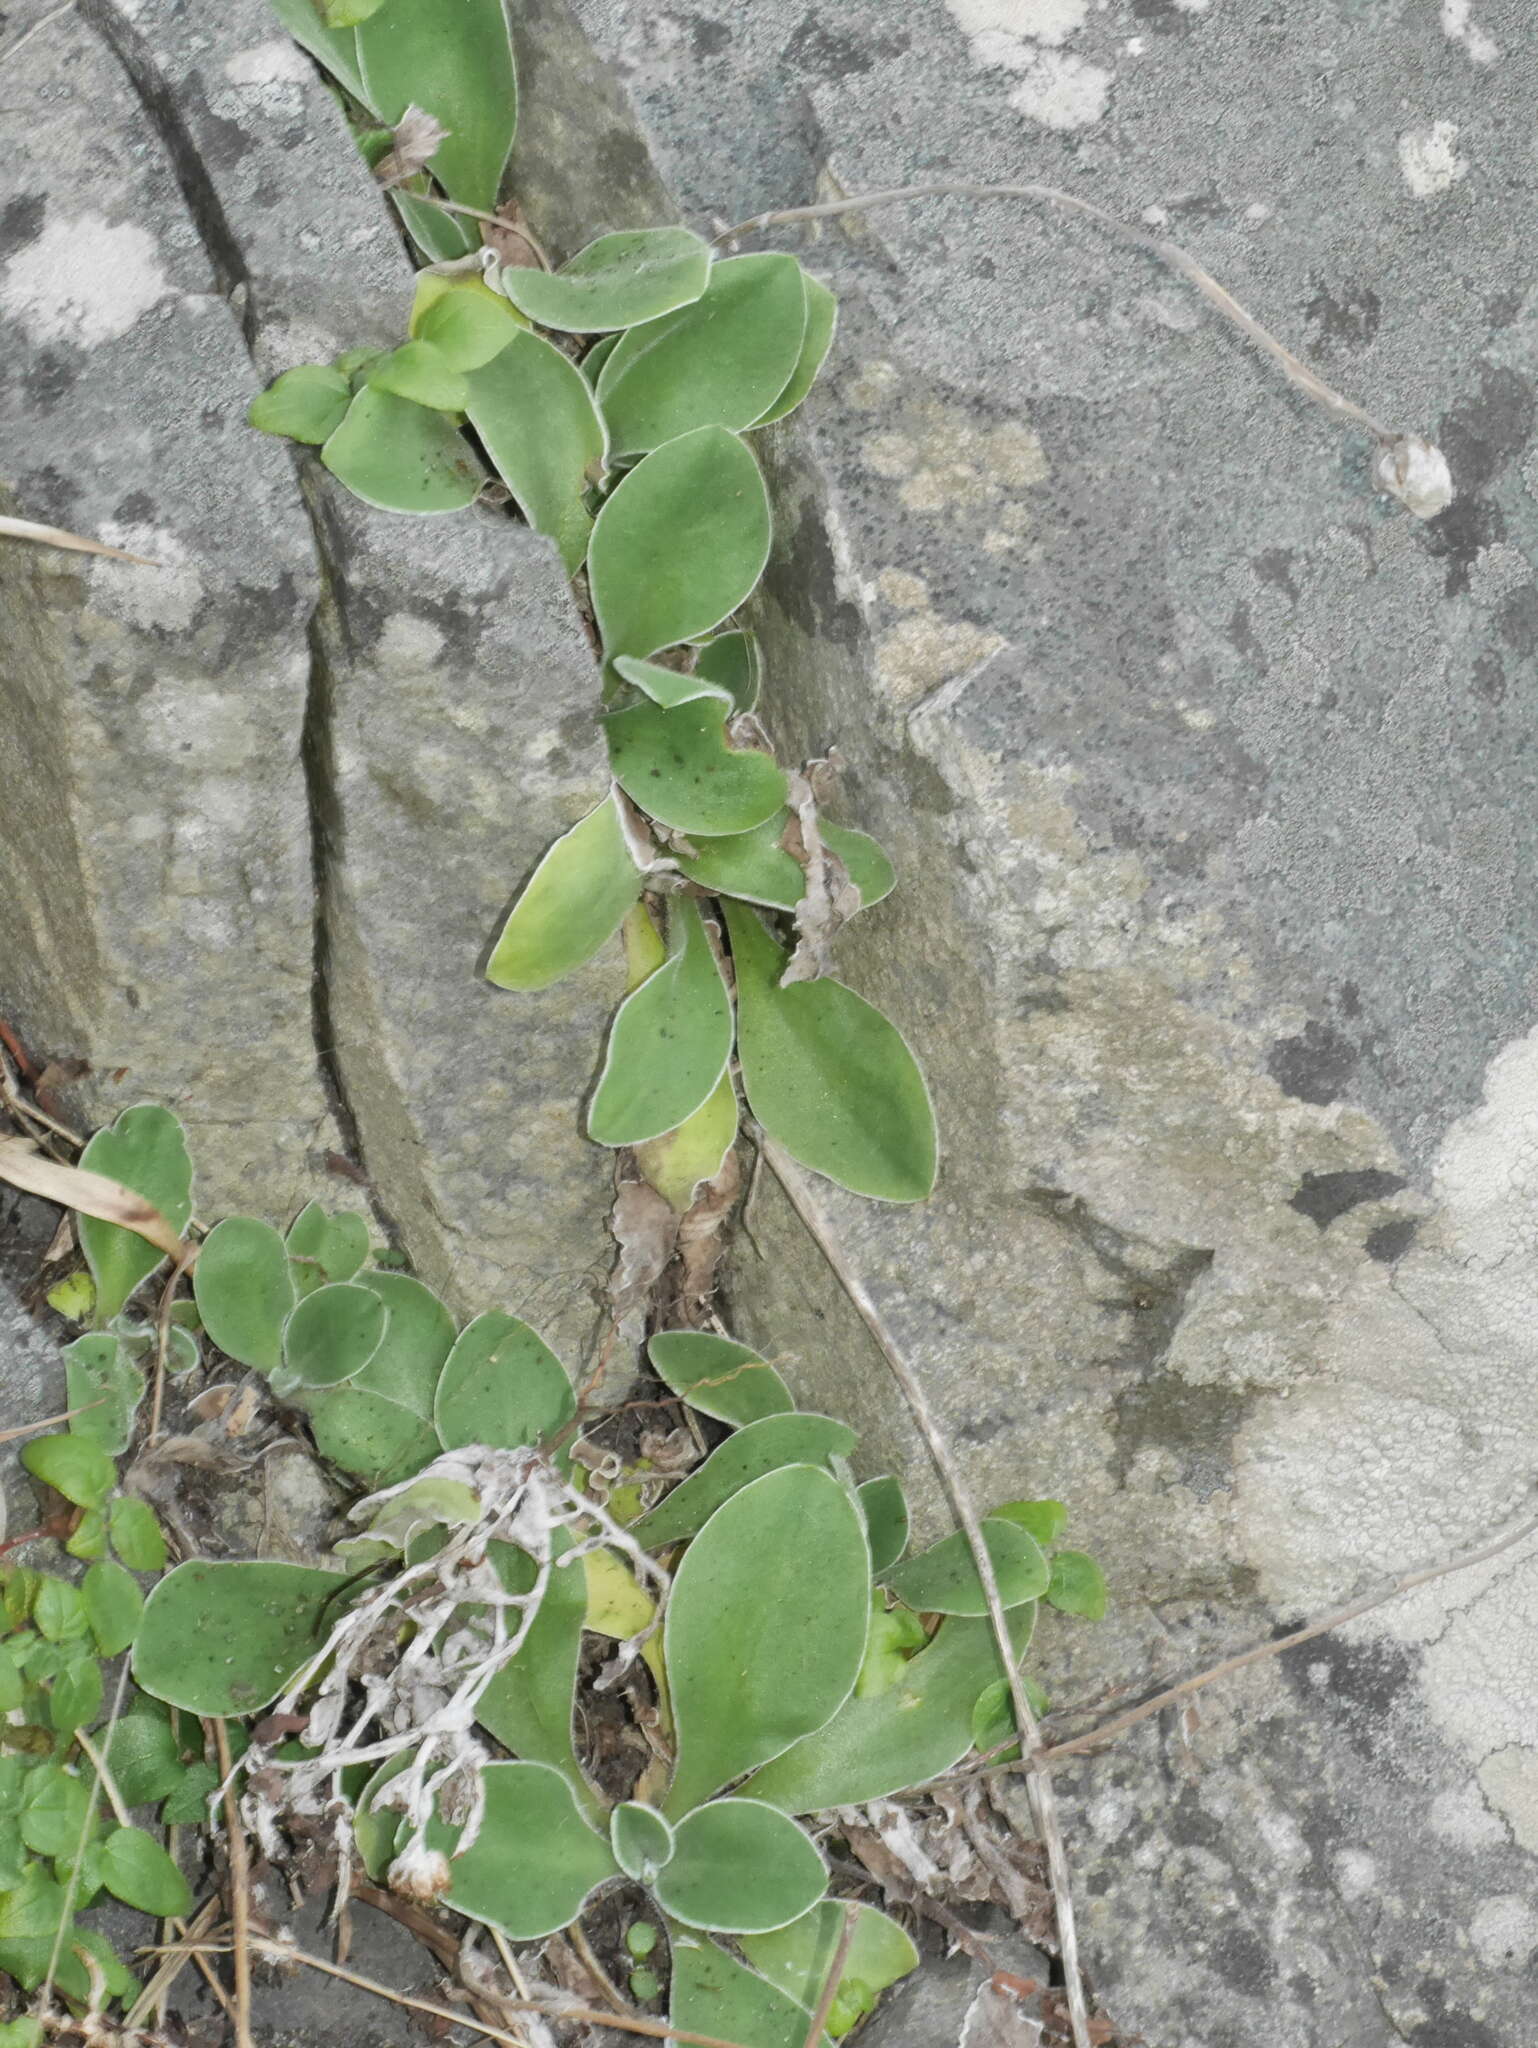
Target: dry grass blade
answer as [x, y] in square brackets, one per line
[834, 1977]
[9, 1436]
[56, 537]
[92, 1194]
[240, 1886]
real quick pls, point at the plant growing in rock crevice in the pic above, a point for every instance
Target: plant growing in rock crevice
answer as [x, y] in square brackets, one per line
[417, 1703]
[611, 398]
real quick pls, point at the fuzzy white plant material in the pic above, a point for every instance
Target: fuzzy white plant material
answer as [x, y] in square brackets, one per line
[1415, 472]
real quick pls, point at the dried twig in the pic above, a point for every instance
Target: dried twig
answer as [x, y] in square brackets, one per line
[176, 1961]
[163, 1341]
[1038, 1783]
[492, 219]
[833, 1978]
[240, 1886]
[9, 1436]
[1407, 466]
[1107, 1731]
[55, 536]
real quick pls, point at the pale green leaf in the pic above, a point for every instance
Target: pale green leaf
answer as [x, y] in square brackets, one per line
[679, 544]
[911, 1732]
[331, 1335]
[885, 1507]
[416, 370]
[226, 1639]
[679, 1162]
[718, 1377]
[418, 1337]
[441, 237]
[75, 1466]
[739, 1867]
[755, 867]
[535, 415]
[944, 1579]
[528, 1705]
[799, 1958]
[101, 1379]
[731, 661]
[535, 1859]
[668, 686]
[146, 1150]
[307, 403]
[502, 1385]
[75, 1696]
[400, 456]
[1077, 1585]
[136, 1535]
[765, 1625]
[669, 1043]
[143, 1754]
[138, 1871]
[380, 1440]
[244, 1290]
[816, 340]
[679, 767]
[712, 1993]
[113, 1604]
[828, 1076]
[53, 1810]
[574, 901]
[1045, 1519]
[721, 361]
[326, 1247]
[758, 1447]
[468, 324]
[456, 63]
[641, 1840]
[618, 281]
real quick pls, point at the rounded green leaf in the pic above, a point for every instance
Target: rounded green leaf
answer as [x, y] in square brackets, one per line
[617, 281]
[902, 1736]
[227, 1638]
[143, 1754]
[1044, 1519]
[245, 1290]
[71, 1465]
[455, 63]
[326, 1247]
[377, 1828]
[138, 1871]
[113, 1604]
[146, 1150]
[731, 661]
[885, 1507]
[721, 361]
[535, 415]
[765, 1625]
[135, 1535]
[718, 1377]
[1077, 1585]
[58, 1611]
[305, 404]
[467, 324]
[739, 1867]
[641, 1840]
[679, 767]
[574, 901]
[944, 1578]
[416, 370]
[103, 1381]
[755, 1449]
[816, 340]
[798, 1958]
[400, 456]
[332, 1334]
[755, 867]
[712, 1993]
[535, 1859]
[828, 1076]
[679, 544]
[993, 1715]
[380, 1440]
[441, 237]
[502, 1385]
[75, 1696]
[418, 1337]
[679, 1162]
[669, 1043]
[53, 1808]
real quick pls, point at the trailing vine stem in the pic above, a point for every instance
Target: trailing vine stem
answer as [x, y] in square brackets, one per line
[1393, 447]
[1038, 1784]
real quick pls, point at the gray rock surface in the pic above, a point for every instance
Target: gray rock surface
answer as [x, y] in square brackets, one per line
[1208, 776]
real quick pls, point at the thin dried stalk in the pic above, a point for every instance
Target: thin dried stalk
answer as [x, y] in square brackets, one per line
[55, 536]
[1038, 1783]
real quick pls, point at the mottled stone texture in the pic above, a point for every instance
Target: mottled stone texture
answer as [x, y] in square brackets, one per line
[1210, 780]
[1209, 777]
